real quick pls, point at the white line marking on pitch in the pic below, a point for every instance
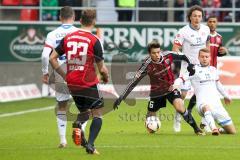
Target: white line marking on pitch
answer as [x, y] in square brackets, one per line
[26, 111]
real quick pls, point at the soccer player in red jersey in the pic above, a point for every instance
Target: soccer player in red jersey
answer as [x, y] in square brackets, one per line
[158, 66]
[83, 49]
[216, 42]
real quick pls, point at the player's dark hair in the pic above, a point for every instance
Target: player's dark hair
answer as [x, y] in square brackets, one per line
[153, 44]
[212, 16]
[192, 9]
[88, 17]
[206, 50]
[66, 12]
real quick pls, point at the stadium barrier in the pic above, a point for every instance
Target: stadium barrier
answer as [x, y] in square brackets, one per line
[23, 42]
[19, 92]
[124, 42]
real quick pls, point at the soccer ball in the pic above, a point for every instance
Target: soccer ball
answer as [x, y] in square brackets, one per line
[152, 124]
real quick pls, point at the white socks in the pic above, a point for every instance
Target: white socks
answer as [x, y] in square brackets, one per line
[209, 119]
[62, 125]
[84, 126]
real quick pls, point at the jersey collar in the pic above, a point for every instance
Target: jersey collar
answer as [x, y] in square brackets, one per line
[84, 30]
[190, 26]
[66, 26]
[214, 34]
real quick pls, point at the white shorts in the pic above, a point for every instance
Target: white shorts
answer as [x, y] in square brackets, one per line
[62, 92]
[186, 86]
[219, 114]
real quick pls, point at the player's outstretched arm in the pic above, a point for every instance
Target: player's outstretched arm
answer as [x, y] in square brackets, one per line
[54, 62]
[103, 71]
[191, 69]
[179, 57]
[138, 76]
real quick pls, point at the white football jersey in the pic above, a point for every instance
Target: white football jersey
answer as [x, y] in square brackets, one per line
[52, 41]
[204, 84]
[54, 37]
[192, 41]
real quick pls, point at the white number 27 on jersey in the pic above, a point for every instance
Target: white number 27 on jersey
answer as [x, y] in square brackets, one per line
[79, 63]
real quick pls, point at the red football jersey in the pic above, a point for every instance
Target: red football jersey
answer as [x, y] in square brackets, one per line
[215, 44]
[160, 73]
[82, 49]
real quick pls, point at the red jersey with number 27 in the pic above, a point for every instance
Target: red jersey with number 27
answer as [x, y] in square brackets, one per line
[82, 49]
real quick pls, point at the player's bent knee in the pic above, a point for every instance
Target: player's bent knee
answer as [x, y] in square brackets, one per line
[178, 105]
[232, 131]
[183, 94]
[97, 112]
[150, 113]
[205, 108]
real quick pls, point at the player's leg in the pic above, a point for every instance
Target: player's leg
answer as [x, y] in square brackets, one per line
[62, 122]
[204, 125]
[228, 129]
[224, 120]
[93, 101]
[208, 116]
[177, 122]
[155, 104]
[192, 103]
[175, 99]
[62, 98]
[177, 117]
[82, 117]
[95, 129]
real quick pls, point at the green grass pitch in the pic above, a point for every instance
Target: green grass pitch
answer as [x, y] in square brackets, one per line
[33, 136]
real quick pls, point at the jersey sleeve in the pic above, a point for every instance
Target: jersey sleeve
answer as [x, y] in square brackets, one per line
[45, 59]
[141, 72]
[179, 57]
[98, 51]
[60, 48]
[49, 42]
[179, 38]
[216, 74]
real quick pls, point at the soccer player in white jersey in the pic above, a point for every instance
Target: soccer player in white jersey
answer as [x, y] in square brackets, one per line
[205, 81]
[189, 40]
[62, 94]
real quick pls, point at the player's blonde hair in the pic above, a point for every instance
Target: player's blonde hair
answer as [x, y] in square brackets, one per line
[206, 50]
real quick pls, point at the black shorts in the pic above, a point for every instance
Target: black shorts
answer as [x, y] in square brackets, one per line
[156, 103]
[88, 98]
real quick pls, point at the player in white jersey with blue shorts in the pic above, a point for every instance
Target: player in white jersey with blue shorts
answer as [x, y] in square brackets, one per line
[190, 39]
[62, 94]
[205, 81]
